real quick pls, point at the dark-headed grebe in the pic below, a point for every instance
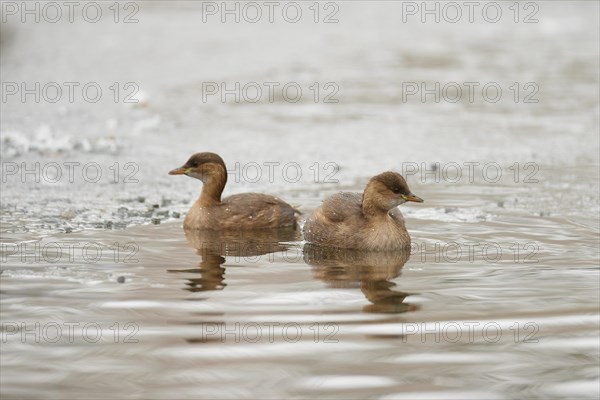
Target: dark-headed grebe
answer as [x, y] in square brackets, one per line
[240, 211]
[369, 222]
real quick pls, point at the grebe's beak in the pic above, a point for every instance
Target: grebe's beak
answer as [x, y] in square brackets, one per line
[180, 171]
[412, 197]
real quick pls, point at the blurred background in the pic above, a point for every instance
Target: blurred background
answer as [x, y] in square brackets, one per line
[363, 63]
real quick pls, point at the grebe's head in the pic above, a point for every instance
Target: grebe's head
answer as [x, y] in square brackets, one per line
[388, 190]
[203, 166]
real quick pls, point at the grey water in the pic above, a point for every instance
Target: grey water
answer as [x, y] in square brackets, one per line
[103, 294]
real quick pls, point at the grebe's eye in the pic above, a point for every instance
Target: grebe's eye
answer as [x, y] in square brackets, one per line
[396, 190]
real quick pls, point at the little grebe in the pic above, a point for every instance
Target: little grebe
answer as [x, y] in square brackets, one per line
[372, 223]
[240, 211]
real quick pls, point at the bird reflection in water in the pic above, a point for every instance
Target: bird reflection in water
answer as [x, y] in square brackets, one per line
[371, 271]
[214, 246]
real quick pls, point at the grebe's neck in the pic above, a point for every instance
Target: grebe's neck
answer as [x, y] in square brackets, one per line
[371, 204]
[212, 188]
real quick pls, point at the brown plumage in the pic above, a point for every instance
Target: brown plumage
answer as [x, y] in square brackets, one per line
[369, 222]
[241, 211]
